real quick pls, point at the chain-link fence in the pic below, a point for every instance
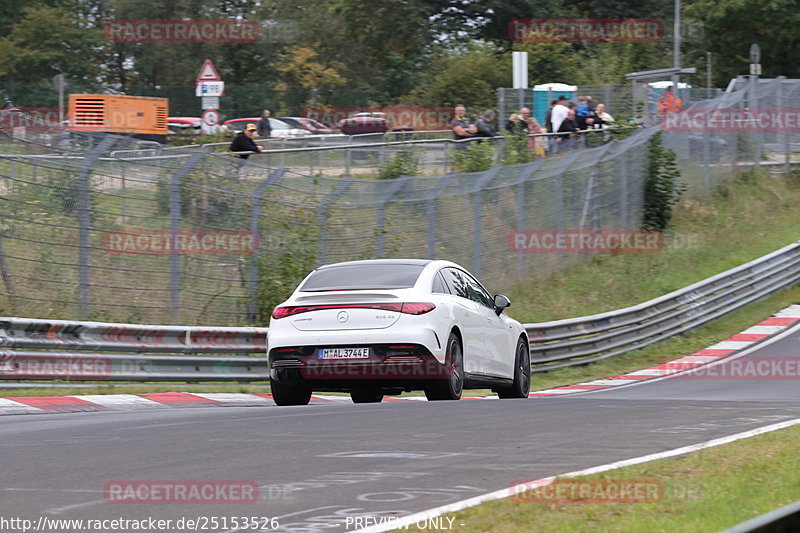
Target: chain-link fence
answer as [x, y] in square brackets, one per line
[104, 227]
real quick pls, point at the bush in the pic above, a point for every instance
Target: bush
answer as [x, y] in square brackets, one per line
[475, 157]
[405, 163]
[517, 148]
[662, 189]
[288, 256]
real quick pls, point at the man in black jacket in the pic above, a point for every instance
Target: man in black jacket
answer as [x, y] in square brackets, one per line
[243, 142]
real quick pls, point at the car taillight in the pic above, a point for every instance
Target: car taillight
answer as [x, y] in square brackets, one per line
[417, 308]
[407, 308]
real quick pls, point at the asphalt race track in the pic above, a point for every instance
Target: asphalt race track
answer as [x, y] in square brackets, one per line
[318, 464]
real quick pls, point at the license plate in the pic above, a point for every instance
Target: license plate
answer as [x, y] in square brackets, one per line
[344, 353]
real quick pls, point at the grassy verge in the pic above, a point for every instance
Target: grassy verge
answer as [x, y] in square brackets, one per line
[751, 216]
[704, 491]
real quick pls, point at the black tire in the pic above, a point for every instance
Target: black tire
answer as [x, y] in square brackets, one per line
[522, 374]
[366, 396]
[290, 393]
[451, 387]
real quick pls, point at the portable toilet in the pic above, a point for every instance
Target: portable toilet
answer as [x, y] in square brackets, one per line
[547, 92]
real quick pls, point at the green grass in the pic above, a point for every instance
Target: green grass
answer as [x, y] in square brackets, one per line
[703, 492]
[751, 216]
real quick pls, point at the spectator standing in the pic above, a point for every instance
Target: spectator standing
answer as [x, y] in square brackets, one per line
[603, 118]
[559, 113]
[243, 142]
[264, 127]
[568, 128]
[669, 103]
[548, 116]
[462, 126]
[584, 114]
[485, 124]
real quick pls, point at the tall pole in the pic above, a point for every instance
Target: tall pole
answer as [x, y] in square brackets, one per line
[708, 75]
[676, 47]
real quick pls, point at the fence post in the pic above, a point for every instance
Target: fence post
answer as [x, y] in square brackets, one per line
[7, 278]
[501, 105]
[252, 268]
[706, 162]
[524, 177]
[444, 181]
[393, 189]
[175, 227]
[84, 222]
[322, 219]
[623, 188]
[477, 251]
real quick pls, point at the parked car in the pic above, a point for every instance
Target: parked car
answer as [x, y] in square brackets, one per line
[279, 128]
[385, 326]
[309, 124]
[191, 126]
[184, 125]
[368, 122]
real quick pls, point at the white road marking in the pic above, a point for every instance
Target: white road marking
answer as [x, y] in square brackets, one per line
[510, 491]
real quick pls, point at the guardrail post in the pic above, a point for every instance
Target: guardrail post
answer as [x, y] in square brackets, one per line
[444, 181]
[175, 227]
[388, 195]
[322, 219]
[477, 251]
[252, 270]
[84, 222]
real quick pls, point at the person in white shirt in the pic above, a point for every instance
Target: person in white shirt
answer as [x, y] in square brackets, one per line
[605, 118]
[559, 113]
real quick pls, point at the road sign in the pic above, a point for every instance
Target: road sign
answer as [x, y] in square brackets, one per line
[209, 102]
[211, 117]
[755, 53]
[755, 69]
[208, 72]
[210, 88]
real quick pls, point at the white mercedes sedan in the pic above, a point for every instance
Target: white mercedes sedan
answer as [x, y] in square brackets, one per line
[385, 326]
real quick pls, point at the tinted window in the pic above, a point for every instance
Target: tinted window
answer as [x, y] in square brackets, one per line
[462, 284]
[439, 285]
[354, 277]
[477, 293]
[456, 282]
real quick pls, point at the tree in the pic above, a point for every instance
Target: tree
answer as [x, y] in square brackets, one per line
[469, 77]
[730, 28]
[304, 76]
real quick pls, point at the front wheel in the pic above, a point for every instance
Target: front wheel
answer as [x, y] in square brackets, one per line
[451, 387]
[522, 374]
[290, 393]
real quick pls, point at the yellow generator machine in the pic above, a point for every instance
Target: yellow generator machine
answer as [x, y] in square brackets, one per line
[142, 117]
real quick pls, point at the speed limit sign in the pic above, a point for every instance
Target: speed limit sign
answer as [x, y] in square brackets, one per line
[211, 117]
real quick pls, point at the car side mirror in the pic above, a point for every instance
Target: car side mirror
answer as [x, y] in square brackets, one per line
[500, 303]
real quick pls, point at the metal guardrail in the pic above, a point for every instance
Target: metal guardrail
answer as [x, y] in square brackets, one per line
[780, 520]
[577, 341]
[97, 351]
[131, 352]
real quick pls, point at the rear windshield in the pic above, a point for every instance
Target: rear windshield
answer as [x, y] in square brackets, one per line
[355, 277]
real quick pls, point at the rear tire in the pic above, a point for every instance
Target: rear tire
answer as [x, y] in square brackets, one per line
[290, 393]
[366, 396]
[522, 374]
[451, 387]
